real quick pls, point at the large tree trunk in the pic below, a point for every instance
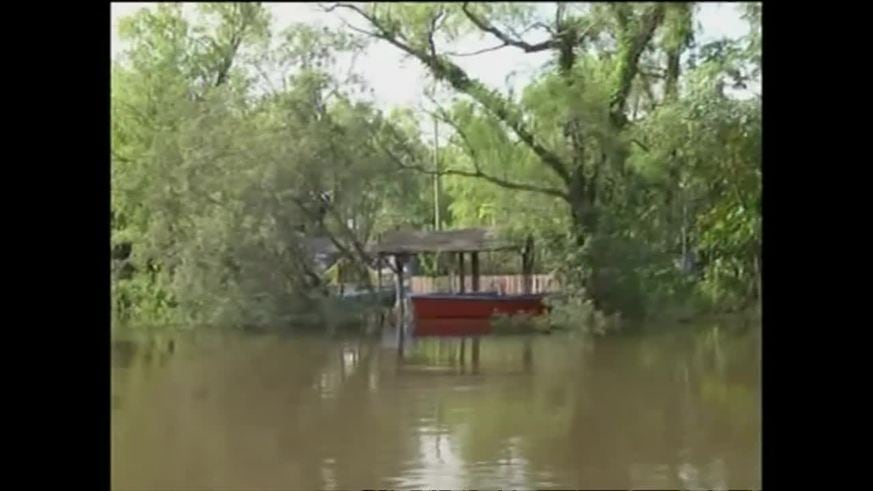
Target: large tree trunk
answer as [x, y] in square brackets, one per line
[585, 227]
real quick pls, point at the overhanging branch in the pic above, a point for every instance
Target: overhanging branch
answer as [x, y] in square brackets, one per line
[486, 26]
[432, 31]
[385, 33]
[444, 69]
[477, 52]
[481, 175]
[475, 174]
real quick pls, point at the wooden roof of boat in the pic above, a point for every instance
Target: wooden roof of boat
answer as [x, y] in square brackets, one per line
[461, 240]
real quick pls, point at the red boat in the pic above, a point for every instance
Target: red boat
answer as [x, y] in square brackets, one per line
[474, 305]
[468, 313]
[459, 314]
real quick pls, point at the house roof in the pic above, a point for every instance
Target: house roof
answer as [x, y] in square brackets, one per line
[320, 245]
[462, 240]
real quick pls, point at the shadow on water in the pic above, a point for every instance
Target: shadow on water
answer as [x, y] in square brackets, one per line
[650, 409]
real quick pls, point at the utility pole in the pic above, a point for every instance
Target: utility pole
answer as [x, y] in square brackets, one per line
[436, 178]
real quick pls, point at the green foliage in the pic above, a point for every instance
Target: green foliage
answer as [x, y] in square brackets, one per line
[520, 324]
[629, 158]
[575, 312]
[215, 186]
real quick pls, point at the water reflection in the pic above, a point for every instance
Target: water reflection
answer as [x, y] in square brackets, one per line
[679, 409]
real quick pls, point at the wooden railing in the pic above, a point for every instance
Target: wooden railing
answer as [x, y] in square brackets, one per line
[509, 284]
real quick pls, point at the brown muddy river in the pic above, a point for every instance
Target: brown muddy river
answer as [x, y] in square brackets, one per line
[679, 408]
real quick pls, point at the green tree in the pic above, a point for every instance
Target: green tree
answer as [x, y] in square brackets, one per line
[580, 129]
[218, 180]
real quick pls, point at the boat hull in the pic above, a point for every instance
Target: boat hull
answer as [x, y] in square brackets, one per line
[475, 306]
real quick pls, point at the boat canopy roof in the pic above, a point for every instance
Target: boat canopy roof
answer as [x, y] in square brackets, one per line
[461, 240]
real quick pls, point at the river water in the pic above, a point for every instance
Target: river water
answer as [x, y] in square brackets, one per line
[675, 407]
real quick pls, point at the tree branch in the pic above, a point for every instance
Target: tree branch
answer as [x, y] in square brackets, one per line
[477, 52]
[486, 26]
[477, 174]
[356, 29]
[384, 33]
[471, 149]
[432, 31]
[640, 144]
[495, 180]
[236, 40]
[559, 15]
[227, 62]
[444, 69]
[266, 78]
[632, 48]
[541, 25]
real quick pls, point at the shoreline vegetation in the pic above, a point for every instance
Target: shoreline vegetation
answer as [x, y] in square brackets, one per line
[371, 319]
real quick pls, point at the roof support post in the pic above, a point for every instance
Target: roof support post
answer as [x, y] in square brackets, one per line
[401, 300]
[527, 259]
[461, 271]
[474, 270]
